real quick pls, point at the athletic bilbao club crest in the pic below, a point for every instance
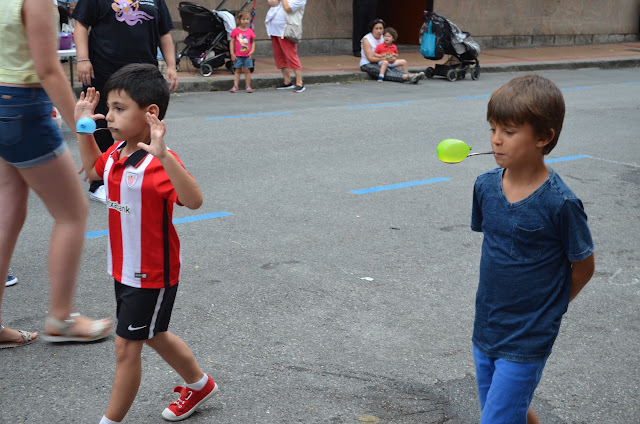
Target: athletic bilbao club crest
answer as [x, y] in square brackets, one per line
[131, 179]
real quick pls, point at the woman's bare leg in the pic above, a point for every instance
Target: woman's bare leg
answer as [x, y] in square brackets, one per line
[286, 74]
[402, 64]
[57, 184]
[15, 193]
[298, 73]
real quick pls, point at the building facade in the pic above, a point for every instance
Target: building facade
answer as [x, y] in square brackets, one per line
[492, 23]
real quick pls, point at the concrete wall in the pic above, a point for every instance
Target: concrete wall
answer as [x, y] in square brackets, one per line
[322, 18]
[503, 23]
[543, 17]
[493, 23]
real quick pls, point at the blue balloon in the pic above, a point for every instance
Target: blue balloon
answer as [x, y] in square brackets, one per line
[86, 125]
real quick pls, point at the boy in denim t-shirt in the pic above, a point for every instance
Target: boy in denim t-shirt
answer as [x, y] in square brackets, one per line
[537, 252]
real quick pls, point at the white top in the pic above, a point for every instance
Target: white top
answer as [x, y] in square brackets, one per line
[373, 43]
[275, 20]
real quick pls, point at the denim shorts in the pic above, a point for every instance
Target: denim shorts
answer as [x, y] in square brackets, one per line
[505, 388]
[243, 62]
[28, 134]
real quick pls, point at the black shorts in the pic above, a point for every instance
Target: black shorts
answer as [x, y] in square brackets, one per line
[143, 313]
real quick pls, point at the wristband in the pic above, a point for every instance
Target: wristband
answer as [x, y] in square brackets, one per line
[83, 60]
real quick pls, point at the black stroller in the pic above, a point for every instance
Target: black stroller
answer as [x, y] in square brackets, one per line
[461, 47]
[207, 44]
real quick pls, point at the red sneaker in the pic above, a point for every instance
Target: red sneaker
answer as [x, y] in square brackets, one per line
[189, 401]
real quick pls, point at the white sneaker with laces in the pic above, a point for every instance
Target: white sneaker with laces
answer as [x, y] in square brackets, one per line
[99, 195]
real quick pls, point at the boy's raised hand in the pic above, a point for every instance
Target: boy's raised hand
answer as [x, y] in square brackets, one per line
[157, 129]
[87, 104]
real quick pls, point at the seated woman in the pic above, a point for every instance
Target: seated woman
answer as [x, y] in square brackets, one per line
[369, 62]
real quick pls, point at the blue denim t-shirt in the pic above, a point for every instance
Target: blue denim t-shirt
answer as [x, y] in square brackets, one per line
[525, 269]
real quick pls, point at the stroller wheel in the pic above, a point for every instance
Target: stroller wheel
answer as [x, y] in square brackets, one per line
[475, 74]
[452, 75]
[229, 65]
[206, 70]
[430, 72]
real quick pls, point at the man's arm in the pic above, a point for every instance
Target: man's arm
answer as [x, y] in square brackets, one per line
[81, 38]
[169, 53]
[581, 273]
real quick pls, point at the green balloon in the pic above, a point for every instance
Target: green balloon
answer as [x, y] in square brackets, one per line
[452, 150]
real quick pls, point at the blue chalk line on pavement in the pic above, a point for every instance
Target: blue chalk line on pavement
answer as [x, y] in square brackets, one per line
[378, 105]
[102, 233]
[248, 116]
[401, 185]
[441, 179]
[566, 158]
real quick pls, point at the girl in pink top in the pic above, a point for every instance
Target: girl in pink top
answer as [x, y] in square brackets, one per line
[242, 46]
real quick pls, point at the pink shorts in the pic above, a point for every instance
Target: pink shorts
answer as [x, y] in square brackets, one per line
[285, 52]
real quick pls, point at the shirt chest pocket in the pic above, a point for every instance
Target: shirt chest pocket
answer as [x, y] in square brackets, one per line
[527, 244]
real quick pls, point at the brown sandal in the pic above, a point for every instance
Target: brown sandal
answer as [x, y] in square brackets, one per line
[27, 338]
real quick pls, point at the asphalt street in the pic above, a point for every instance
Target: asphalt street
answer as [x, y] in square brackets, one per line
[330, 275]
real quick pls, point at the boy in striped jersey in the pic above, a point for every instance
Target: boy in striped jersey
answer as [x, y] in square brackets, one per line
[143, 181]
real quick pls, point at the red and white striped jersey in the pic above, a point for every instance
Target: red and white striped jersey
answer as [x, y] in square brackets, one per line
[144, 249]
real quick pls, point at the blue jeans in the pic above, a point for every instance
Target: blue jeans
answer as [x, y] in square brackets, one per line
[28, 135]
[505, 388]
[243, 62]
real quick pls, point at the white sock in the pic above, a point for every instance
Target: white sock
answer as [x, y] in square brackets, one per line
[199, 385]
[106, 420]
[381, 76]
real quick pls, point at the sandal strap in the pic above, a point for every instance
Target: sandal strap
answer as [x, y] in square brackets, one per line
[64, 326]
[1, 328]
[26, 336]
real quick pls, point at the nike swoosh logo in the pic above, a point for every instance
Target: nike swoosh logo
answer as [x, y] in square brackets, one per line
[130, 328]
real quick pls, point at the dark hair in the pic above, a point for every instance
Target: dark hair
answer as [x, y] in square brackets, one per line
[240, 15]
[375, 22]
[391, 31]
[142, 82]
[529, 99]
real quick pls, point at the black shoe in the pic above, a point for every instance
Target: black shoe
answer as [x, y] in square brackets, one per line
[299, 89]
[357, 54]
[285, 86]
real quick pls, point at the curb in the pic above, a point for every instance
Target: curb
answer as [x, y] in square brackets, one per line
[197, 84]
[268, 81]
[544, 66]
[200, 84]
